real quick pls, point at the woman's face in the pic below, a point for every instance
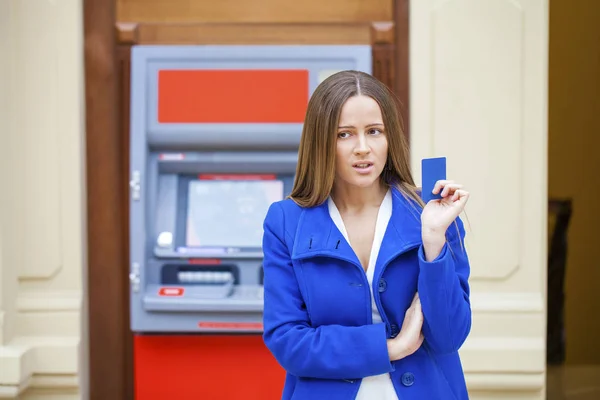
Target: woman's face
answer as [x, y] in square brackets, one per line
[362, 147]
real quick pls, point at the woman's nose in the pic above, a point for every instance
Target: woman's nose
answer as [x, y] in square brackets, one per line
[362, 145]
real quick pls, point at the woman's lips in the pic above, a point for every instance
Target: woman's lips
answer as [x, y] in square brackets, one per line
[363, 167]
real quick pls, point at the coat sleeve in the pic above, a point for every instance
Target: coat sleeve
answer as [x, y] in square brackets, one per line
[326, 352]
[444, 292]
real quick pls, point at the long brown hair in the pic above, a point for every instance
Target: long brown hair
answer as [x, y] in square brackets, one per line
[315, 170]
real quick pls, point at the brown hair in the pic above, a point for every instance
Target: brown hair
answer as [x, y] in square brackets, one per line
[315, 170]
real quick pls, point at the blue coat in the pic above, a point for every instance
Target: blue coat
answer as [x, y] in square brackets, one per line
[317, 305]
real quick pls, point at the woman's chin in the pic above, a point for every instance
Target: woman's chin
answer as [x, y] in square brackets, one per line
[363, 182]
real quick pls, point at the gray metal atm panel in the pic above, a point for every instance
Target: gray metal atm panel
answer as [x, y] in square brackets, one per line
[160, 152]
[318, 60]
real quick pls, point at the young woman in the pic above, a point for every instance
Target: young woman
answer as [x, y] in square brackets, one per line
[366, 292]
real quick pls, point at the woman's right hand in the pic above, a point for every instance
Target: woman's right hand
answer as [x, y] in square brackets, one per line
[410, 337]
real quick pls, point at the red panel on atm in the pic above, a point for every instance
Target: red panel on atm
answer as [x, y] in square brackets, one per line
[227, 367]
[232, 96]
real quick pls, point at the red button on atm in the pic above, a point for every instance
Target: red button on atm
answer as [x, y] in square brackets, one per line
[171, 291]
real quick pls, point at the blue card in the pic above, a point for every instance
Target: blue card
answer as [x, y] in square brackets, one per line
[432, 170]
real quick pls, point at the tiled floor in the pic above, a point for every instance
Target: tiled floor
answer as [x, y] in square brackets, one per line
[573, 383]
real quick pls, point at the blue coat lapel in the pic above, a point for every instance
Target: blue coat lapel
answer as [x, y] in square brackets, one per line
[317, 234]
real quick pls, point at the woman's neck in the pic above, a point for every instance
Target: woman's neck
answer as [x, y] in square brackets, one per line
[353, 199]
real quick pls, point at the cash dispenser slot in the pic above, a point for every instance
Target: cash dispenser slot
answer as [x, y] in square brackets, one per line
[185, 274]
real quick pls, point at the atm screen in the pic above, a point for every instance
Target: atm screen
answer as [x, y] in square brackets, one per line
[229, 213]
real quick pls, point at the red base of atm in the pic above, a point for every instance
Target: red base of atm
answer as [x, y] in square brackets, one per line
[205, 368]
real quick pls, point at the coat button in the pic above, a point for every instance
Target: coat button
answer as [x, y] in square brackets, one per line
[408, 379]
[394, 330]
[382, 285]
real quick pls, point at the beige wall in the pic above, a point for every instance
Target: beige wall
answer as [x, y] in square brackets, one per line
[574, 163]
[478, 84]
[478, 96]
[42, 233]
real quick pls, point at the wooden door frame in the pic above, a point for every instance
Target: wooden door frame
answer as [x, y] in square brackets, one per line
[107, 152]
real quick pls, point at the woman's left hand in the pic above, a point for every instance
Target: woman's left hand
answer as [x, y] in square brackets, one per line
[438, 214]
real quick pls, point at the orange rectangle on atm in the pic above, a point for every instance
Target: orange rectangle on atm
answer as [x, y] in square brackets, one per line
[232, 96]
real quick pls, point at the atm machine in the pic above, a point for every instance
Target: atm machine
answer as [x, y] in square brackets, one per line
[214, 138]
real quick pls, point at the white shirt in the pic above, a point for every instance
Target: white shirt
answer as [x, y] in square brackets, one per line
[378, 386]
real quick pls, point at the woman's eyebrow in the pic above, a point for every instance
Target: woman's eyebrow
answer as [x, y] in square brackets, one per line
[368, 126]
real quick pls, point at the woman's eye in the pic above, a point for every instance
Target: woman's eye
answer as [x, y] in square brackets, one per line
[375, 132]
[343, 135]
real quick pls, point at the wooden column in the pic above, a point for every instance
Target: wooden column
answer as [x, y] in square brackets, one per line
[109, 338]
[401, 58]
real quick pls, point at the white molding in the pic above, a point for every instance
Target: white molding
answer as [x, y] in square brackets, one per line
[32, 362]
[505, 383]
[506, 302]
[9, 392]
[501, 355]
[56, 382]
[67, 300]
